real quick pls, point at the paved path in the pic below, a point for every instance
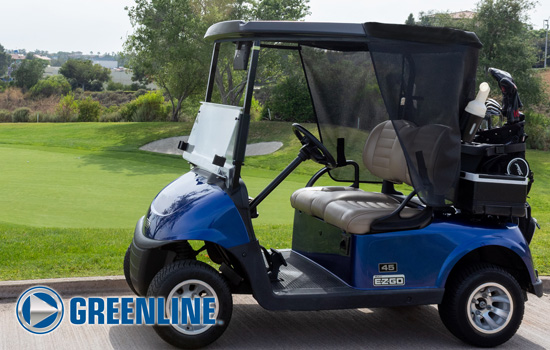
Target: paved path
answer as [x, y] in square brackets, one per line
[255, 328]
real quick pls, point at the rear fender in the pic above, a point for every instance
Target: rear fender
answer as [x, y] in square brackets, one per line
[514, 248]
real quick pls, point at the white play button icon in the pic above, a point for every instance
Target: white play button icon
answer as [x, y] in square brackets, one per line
[40, 310]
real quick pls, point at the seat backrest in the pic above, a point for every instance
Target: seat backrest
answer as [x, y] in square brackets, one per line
[438, 171]
[383, 155]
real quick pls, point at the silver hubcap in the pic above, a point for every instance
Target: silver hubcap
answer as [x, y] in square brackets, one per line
[490, 308]
[191, 289]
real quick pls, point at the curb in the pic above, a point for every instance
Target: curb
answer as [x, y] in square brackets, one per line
[67, 286]
[101, 285]
[545, 284]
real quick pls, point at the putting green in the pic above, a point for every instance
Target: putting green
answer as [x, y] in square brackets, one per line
[57, 187]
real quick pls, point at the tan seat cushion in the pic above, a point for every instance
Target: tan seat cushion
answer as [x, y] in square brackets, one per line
[304, 198]
[353, 210]
[356, 216]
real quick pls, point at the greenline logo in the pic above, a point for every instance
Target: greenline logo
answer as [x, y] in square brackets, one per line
[40, 310]
[150, 311]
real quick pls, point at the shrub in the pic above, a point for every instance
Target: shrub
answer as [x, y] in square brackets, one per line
[12, 98]
[112, 98]
[140, 92]
[146, 108]
[134, 87]
[54, 85]
[96, 85]
[111, 117]
[88, 110]
[67, 109]
[537, 126]
[5, 116]
[255, 110]
[290, 101]
[128, 110]
[111, 114]
[112, 86]
[48, 118]
[78, 92]
[21, 115]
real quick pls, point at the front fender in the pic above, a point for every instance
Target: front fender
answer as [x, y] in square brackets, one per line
[190, 208]
[509, 238]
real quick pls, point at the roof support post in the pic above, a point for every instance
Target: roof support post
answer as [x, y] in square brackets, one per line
[212, 76]
[244, 125]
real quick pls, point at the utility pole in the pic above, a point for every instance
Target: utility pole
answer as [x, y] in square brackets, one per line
[546, 45]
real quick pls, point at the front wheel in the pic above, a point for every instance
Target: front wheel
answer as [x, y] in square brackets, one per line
[483, 305]
[127, 270]
[192, 279]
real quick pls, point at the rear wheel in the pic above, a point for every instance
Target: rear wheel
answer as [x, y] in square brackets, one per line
[192, 279]
[483, 305]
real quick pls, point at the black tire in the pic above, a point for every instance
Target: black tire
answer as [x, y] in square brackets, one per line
[497, 312]
[127, 270]
[176, 278]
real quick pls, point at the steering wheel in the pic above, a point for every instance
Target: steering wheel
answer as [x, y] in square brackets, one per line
[313, 147]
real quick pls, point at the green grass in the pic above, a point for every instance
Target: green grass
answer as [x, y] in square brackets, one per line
[37, 252]
[73, 192]
[540, 202]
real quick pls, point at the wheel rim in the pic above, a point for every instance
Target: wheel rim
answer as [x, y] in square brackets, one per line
[191, 289]
[490, 308]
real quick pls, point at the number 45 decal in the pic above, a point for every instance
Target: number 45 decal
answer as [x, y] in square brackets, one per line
[387, 267]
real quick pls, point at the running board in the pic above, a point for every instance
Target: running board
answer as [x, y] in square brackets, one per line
[304, 285]
[303, 276]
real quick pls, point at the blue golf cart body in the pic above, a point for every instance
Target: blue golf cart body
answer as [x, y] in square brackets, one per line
[352, 248]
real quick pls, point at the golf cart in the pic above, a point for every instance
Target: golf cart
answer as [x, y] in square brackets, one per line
[389, 102]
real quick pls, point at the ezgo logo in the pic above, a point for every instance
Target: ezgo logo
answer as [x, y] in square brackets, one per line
[40, 310]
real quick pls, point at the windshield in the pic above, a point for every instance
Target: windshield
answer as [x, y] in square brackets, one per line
[212, 140]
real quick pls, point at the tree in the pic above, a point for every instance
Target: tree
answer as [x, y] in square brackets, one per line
[4, 61]
[53, 85]
[29, 72]
[167, 45]
[59, 59]
[287, 10]
[85, 74]
[410, 20]
[538, 38]
[231, 84]
[438, 19]
[501, 26]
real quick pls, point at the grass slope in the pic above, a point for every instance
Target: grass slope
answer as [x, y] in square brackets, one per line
[540, 202]
[73, 192]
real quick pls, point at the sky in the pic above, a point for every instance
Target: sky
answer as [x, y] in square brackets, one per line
[103, 25]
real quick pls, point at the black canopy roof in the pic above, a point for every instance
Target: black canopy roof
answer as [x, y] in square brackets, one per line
[341, 35]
